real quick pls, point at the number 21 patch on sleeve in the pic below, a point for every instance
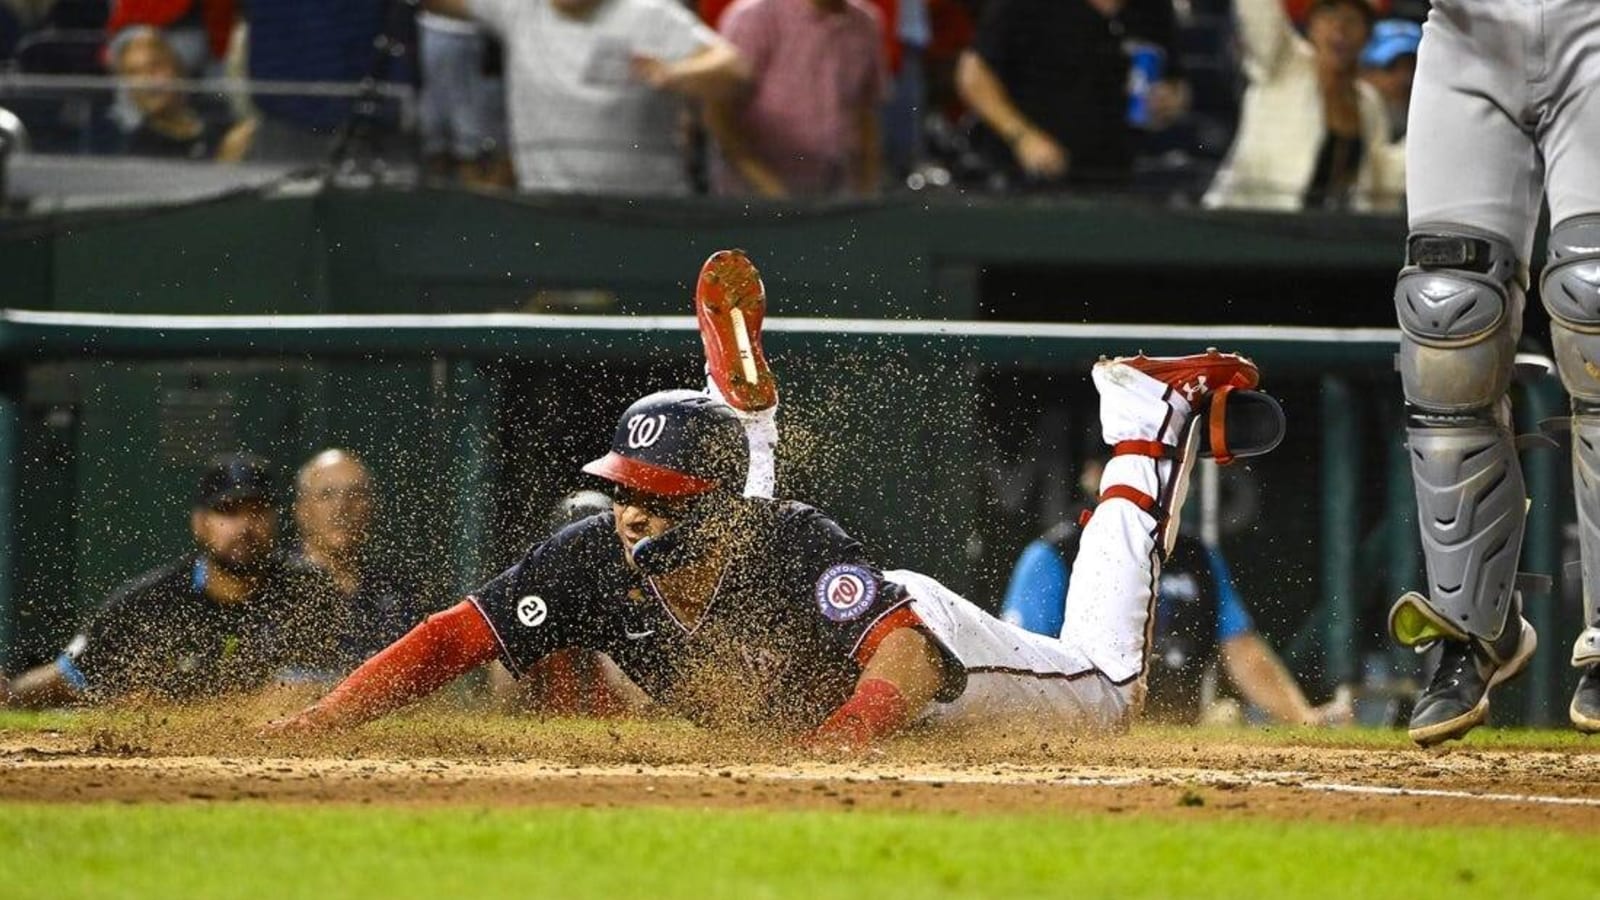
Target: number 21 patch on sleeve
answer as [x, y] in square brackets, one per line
[846, 591]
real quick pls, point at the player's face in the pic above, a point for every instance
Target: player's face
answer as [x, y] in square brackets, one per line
[238, 537]
[333, 505]
[1338, 33]
[640, 515]
[634, 524]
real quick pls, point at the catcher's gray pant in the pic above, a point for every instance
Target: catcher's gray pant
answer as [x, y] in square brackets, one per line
[1505, 112]
[1506, 105]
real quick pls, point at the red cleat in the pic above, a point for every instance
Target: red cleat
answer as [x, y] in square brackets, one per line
[1197, 375]
[730, 303]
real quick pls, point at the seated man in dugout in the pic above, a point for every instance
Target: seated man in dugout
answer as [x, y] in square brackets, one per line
[230, 615]
[334, 508]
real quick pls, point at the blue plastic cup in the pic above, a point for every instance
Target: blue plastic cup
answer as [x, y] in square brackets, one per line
[1147, 62]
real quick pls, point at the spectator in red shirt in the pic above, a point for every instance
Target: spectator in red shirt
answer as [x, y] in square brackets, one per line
[809, 123]
[711, 12]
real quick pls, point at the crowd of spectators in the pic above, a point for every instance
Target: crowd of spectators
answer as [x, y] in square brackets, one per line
[1266, 104]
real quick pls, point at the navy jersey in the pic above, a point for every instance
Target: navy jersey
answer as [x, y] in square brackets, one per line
[388, 602]
[780, 644]
[160, 634]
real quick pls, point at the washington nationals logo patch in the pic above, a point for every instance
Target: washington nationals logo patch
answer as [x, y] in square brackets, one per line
[846, 591]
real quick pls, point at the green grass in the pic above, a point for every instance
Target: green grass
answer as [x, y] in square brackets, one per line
[50, 720]
[254, 850]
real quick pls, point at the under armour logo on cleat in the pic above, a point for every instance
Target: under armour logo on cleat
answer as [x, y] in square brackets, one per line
[1194, 388]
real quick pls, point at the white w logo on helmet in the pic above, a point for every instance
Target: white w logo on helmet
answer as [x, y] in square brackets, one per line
[645, 430]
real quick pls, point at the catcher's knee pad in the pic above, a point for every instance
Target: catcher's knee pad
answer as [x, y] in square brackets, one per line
[1570, 289]
[1471, 507]
[1459, 302]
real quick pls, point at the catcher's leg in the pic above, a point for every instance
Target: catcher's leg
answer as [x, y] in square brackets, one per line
[1571, 294]
[1147, 409]
[1459, 301]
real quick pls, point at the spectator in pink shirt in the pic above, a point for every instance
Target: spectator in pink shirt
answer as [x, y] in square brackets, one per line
[808, 125]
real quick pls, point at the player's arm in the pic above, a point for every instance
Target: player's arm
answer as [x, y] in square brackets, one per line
[1258, 673]
[714, 72]
[902, 676]
[41, 687]
[444, 647]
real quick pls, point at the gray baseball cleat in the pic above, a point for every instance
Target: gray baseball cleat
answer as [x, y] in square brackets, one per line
[1585, 708]
[1457, 699]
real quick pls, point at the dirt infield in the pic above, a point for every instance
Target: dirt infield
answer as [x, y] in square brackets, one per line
[212, 756]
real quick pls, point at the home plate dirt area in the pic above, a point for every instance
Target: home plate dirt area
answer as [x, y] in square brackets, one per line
[441, 757]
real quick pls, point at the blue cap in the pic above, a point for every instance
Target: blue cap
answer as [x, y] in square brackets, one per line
[232, 479]
[1391, 39]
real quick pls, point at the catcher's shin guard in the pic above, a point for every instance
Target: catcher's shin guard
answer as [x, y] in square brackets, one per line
[1471, 508]
[1459, 303]
[1571, 294]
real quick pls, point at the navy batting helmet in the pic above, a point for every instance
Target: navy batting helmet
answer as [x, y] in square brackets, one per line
[676, 444]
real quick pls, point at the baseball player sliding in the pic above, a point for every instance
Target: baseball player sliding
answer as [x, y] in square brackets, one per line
[731, 608]
[1506, 108]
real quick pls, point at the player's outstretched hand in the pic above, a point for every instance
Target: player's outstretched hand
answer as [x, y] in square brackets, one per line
[838, 747]
[301, 724]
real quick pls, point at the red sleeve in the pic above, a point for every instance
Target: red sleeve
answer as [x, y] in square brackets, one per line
[444, 647]
[877, 709]
[898, 618]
